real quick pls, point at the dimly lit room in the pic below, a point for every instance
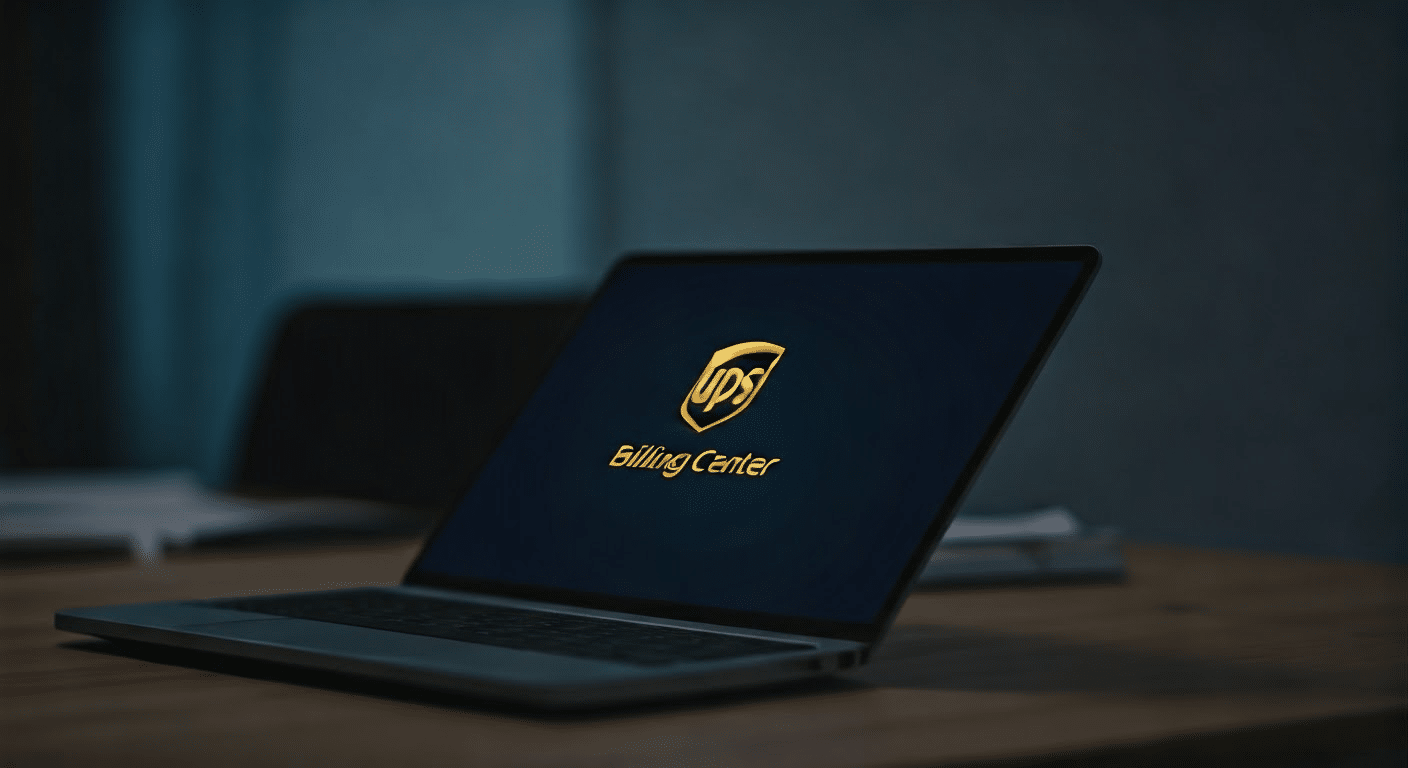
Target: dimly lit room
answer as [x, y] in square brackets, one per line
[704, 383]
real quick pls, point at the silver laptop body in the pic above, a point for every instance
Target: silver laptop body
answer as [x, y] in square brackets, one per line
[469, 567]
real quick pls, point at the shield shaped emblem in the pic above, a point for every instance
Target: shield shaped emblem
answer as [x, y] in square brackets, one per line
[729, 383]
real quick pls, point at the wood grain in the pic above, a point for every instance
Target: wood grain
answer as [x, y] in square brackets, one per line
[1233, 651]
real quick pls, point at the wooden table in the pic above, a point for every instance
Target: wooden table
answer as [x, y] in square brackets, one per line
[1202, 658]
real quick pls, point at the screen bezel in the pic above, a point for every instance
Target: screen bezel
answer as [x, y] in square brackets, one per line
[866, 632]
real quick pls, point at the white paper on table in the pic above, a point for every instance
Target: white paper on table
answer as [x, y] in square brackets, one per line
[1037, 525]
[146, 511]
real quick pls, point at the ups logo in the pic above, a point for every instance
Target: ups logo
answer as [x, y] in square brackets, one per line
[729, 383]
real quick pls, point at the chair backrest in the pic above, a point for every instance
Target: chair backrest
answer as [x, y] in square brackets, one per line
[394, 402]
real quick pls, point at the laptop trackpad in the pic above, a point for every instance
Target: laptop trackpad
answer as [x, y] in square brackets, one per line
[431, 654]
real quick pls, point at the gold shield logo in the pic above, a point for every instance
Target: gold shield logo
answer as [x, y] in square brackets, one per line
[729, 383]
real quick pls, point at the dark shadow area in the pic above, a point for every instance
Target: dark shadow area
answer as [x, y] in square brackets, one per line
[359, 686]
[17, 414]
[15, 558]
[395, 401]
[58, 396]
[949, 658]
[1357, 741]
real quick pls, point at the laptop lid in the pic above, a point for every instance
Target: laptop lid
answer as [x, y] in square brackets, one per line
[772, 441]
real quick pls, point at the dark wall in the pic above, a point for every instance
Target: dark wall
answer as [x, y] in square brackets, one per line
[1236, 376]
[56, 375]
[267, 152]
[17, 253]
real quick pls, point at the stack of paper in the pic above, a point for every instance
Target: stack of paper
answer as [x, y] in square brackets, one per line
[146, 513]
[1048, 544]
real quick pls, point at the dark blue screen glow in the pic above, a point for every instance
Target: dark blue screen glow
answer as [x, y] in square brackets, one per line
[891, 377]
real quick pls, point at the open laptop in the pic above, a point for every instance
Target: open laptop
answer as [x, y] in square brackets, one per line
[730, 476]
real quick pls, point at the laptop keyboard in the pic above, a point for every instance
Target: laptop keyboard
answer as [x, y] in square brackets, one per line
[523, 629]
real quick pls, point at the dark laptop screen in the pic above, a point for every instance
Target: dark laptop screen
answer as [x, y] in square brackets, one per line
[764, 437]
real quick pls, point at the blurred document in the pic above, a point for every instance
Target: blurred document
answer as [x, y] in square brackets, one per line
[1042, 545]
[146, 513]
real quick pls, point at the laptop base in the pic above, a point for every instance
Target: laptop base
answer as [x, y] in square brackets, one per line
[538, 680]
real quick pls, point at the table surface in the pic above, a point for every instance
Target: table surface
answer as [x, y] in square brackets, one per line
[1202, 653]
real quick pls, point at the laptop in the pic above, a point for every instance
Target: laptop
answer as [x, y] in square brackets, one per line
[731, 475]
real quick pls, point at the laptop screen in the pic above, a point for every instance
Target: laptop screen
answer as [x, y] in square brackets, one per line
[767, 437]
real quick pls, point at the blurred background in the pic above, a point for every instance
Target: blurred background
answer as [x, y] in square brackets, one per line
[185, 175]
